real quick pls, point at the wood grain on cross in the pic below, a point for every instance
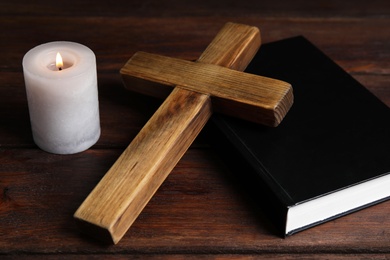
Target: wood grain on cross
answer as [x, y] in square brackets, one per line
[213, 83]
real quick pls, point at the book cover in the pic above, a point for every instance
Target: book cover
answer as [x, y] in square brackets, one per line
[329, 157]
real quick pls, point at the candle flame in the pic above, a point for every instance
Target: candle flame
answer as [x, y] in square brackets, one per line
[59, 63]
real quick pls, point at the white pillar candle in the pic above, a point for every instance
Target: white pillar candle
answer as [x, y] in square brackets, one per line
[63, 102]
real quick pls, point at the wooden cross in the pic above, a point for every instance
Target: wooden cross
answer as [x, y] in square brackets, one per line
[213, 83]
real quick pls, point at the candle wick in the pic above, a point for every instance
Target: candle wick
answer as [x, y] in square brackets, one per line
[59, 68]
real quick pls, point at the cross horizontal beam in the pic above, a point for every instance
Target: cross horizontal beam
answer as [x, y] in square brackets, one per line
[255, 98]
[117, 200]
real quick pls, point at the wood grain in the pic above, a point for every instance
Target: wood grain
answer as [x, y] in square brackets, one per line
[130, 183]
[198, 212]
[255, 98]
[118, 199]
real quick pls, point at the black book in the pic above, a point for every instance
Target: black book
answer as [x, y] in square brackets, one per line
[331, 154]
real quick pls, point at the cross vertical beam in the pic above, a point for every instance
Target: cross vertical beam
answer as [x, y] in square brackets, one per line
[120, 196]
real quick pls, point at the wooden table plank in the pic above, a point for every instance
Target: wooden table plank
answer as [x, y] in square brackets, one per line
[356, 52]
[345, 40]
[213, 8]
[200, 211]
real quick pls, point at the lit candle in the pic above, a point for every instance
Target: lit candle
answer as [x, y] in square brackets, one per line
[61, 86]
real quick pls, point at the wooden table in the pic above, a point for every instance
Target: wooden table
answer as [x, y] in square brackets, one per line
[198, 212]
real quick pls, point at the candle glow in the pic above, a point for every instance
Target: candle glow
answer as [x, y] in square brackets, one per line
[59, 62]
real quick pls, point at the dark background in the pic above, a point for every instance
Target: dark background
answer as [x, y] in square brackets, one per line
[199, 211]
